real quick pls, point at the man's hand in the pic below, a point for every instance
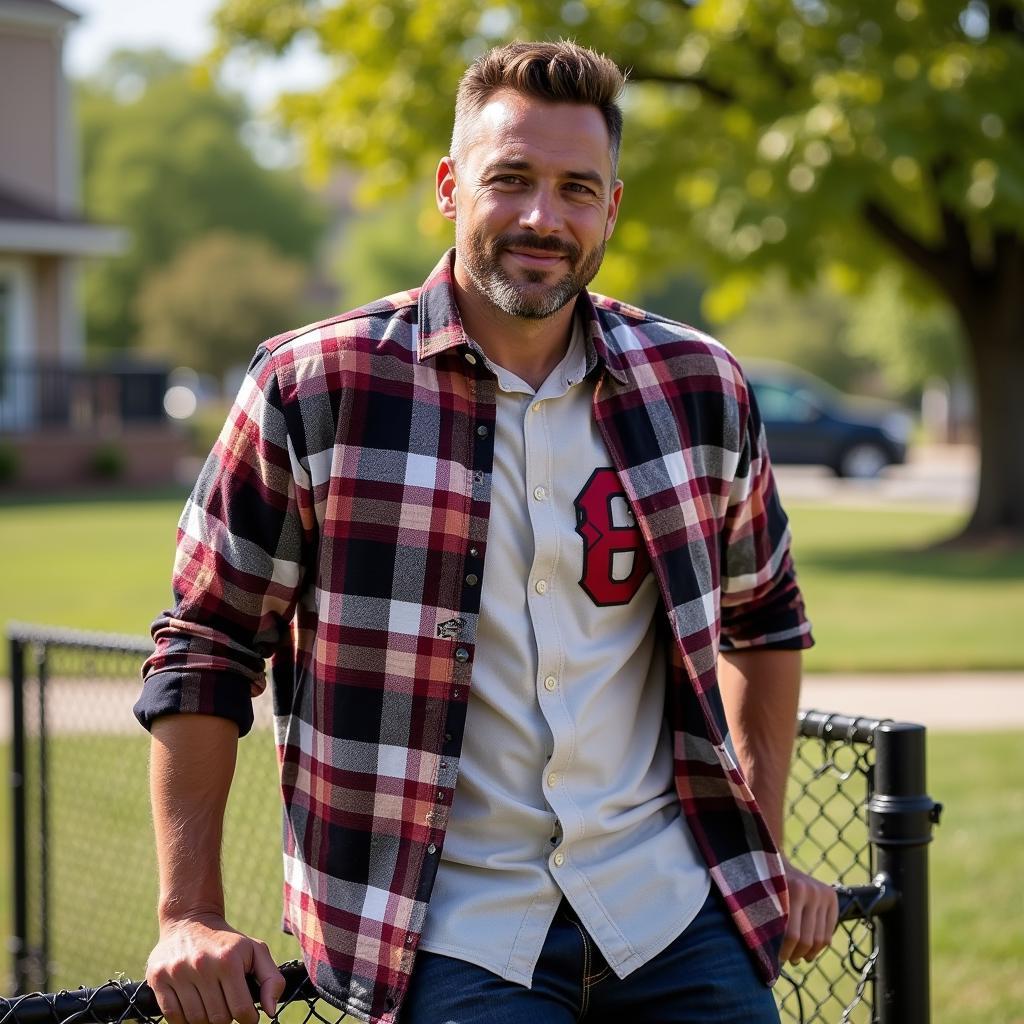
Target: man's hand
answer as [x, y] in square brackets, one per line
[813, 916]
[198, 973]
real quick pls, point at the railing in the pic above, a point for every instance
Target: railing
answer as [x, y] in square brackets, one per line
[858, 815]
[39, 395]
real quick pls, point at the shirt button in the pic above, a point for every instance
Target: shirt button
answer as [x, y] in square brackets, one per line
[550, 683]
[472, 579]
[474, 552]
[470, 358]
[461, 654]
[559, 859]
[540, 493]
[482, 431]
[541, 586]
[536, 406]
[553, 779]
[431, 849]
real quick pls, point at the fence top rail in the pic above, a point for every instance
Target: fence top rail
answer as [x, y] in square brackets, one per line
[830, 725]
[58, 636]
[118, 1001]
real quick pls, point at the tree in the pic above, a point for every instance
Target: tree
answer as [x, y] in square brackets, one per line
[163, 156]
[930, 340]
[377, 253]
[220, 296]
[801, 134]
[806, 328]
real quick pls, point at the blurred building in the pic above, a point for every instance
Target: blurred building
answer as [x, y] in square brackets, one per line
[62, 420]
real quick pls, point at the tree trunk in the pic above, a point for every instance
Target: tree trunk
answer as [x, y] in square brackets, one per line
[995, 332]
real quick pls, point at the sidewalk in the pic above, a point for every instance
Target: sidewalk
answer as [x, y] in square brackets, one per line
[950, 701]
[953, 701]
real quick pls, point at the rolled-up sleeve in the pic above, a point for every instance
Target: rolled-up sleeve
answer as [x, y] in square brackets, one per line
[761, 603]
[238, 567]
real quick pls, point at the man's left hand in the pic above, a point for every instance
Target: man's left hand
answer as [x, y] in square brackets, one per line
[813, 915]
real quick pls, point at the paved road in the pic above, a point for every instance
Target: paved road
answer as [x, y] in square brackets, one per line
[935, 475]
[955, 701]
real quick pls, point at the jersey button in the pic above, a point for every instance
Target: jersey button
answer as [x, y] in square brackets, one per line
[541, 586]
[559, 859]
[540, 493]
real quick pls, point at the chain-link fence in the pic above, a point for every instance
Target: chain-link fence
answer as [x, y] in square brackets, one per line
[85, 875]
[85, 889]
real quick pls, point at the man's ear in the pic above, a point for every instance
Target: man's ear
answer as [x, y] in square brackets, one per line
[445, 186]
[613, 209]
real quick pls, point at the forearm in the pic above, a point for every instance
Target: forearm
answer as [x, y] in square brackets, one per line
[761, 692]
[191, 767]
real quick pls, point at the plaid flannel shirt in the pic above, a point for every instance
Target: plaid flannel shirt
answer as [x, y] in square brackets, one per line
[340, 526]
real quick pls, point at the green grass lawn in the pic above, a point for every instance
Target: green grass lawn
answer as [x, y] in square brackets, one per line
[879, 599]
[104, 891]
[94, 564]
[977, 896]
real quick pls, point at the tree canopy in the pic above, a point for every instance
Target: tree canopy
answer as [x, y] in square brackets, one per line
[793, 132]
[221, 294]
[163, 156]
[816, 136]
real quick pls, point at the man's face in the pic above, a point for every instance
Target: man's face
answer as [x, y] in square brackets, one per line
[533, 200]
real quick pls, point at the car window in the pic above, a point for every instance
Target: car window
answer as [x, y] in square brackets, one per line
[780, 403]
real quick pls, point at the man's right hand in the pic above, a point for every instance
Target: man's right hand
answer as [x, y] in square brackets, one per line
[198, 972]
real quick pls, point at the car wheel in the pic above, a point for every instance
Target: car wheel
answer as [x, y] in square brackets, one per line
[862, 461]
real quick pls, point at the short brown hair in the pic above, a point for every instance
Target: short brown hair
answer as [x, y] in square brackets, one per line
[561, 72]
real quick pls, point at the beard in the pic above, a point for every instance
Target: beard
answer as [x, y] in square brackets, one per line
[527, 296]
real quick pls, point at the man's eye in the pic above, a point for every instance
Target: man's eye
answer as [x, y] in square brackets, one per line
[509, 179]
[575, 186]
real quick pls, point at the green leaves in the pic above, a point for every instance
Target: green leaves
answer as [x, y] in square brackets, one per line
[219, 297]
[163, 156]
[757, 130]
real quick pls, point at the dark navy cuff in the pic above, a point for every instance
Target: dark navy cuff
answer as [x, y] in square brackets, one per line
[224, 694]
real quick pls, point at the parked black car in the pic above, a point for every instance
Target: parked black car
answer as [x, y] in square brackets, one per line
[808, 422]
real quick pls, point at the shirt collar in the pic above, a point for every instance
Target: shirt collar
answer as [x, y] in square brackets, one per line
[440, 326]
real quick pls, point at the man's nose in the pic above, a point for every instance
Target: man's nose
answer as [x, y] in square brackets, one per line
[540, 215]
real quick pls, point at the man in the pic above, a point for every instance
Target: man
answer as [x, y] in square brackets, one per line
[535, 791]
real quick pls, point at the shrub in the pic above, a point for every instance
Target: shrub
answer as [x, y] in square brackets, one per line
[107, 462]
[9, 463]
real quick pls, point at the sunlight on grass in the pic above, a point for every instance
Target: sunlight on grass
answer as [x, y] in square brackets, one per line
[879, 599]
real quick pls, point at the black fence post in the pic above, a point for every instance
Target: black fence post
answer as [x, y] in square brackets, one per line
[19, 853]
[43, 953]
[900, 819]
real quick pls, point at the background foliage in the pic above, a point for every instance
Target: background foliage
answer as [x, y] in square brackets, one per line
[163, 155]
[221, 294]
[757, 132]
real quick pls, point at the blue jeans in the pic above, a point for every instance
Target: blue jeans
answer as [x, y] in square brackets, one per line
[706, 976]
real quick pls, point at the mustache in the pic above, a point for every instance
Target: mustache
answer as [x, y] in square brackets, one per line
[543, 244]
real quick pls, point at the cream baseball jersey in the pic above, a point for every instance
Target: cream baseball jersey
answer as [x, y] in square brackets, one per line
[565, 786]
